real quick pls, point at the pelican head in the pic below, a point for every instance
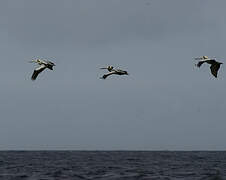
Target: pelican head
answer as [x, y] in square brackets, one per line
[35, 61]
[205, 57]
[109, 68]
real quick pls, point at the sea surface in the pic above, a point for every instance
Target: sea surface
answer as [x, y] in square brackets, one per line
[112, 165]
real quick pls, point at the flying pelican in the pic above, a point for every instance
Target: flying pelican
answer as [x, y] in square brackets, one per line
[115, 71]
[43, 65]
[215, 65]
[109, 68]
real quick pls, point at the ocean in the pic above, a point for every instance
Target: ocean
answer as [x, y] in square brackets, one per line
[112, 165]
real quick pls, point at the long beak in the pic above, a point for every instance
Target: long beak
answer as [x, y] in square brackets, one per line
[104, 68]
[32, 61]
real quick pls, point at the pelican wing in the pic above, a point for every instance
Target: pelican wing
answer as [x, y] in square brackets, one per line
[106, 75]
[200, 63]
[119, 70]
[37, 71]
[50, 63]
[214, 69]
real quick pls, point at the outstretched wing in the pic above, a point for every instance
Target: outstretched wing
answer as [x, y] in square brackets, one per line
[200, 63]
[50, 63]
[119, 71]
[37, 71]
[106, 75]
[214, 69]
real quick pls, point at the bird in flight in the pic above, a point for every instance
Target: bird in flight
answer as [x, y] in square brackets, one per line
[215, 65]
[43, 65]
[113, 71]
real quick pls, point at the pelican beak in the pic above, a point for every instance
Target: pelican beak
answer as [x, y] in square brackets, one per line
[31, 61]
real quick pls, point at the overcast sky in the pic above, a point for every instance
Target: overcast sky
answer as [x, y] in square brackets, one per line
[164, 104]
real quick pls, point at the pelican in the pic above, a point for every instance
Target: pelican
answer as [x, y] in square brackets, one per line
[43, 65]
[109, 68]
[115, 71]
[215, 65]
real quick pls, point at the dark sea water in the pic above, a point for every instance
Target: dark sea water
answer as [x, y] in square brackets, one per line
[110, 165]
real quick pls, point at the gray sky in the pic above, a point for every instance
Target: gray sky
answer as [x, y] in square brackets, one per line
[164, 104]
